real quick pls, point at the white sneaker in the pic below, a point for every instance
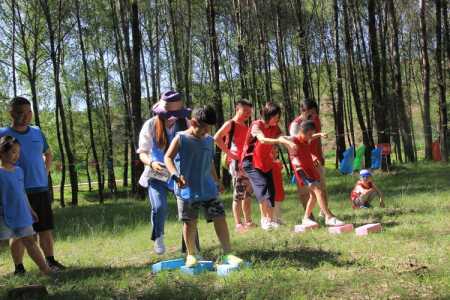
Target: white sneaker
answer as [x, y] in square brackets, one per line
[333, 221]
[266, 224]
[274, 225]
[309, 222]
[160, 248]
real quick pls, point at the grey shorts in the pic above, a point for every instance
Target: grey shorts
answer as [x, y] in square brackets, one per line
[188, 211]
[7, 233]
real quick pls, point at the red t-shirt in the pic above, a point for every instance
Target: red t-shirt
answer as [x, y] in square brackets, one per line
[238, 139]
[262, 153]
[304, 159]
[315, 145]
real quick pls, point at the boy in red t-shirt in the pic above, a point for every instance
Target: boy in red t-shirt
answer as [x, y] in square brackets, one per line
[305, 166]
[365, 191]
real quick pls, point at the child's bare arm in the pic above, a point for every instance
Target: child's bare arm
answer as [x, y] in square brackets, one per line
[216, 178]
[380, 194]
[319, 135]
[170, 155]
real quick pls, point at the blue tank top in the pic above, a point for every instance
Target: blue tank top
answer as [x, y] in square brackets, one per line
[196, 158]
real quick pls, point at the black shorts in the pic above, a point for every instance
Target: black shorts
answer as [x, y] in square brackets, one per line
[41, 204]
[262, 182]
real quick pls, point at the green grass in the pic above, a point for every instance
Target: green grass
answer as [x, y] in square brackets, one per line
[109, 252]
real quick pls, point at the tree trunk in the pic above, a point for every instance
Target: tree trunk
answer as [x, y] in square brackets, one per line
[303, 46]
[135, 83]
[240, 48]
[379, 104]
[280, 51]
[62, 182]
[214, 56]
[443, 118]
[403, 116]
[425, 82]
[340, 127]
[354, 84]
[55, 52]
[87, 91]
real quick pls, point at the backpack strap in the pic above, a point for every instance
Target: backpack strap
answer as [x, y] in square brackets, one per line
[231, 134]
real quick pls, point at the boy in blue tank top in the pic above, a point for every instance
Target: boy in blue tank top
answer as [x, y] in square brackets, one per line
[197, 182]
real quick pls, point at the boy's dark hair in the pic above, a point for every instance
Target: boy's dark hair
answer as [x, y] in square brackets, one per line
[307, 126]
[244, 102]
[309, 103]
[270, 110]
[205, 114]
[7, 142]
[18, 101]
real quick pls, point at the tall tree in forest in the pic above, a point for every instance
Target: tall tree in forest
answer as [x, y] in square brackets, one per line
[89, 102]
[135, 85]
[30, 35]
[214, 57]
[303, 45]
[443, 117]
[380, 107]
[425, 81]
[242, 61]
[353, 82]
[405, 129]
[339, 116]
[55, 39]
[13, 46]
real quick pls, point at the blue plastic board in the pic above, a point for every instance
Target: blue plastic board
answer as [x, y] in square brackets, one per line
[203, 266]
[172, 264]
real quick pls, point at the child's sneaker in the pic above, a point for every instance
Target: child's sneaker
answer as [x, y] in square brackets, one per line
[280, 222]
[241, 228]
[232, 260]
[160, 248]
[309, 222]
[274, 224]
[266, 224]
[191, 261]
[333, 221]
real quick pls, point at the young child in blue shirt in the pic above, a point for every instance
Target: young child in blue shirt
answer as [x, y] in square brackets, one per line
[197, 183]
[16, 215]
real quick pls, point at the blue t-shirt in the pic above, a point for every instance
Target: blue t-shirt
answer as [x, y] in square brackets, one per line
[33, 145]
[196, 157]
[13, 200]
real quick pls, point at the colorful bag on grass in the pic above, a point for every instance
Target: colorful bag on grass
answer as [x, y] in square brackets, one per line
[346, 164]
[376, 159]
[357, 164]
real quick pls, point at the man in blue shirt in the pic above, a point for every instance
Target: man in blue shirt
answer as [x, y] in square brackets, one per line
[35, 161]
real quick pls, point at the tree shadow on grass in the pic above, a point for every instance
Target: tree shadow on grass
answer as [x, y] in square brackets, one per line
[303, 257]
[110, 217]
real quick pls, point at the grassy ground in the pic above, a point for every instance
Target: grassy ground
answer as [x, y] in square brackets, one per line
[109, 252]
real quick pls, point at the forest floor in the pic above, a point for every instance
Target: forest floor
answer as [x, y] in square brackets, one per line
[108, 250]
